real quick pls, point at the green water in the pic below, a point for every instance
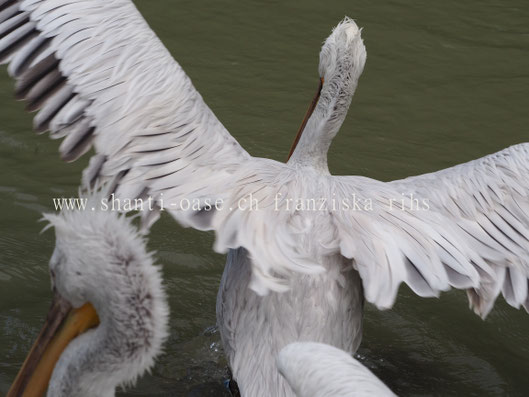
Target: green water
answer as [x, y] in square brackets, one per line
[445, 82]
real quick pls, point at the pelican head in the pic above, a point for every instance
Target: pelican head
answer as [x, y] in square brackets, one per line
[342, 60]
[109, 314]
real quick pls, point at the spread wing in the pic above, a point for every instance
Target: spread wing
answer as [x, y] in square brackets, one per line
[390, 236]
[101, 78]
[488, 200]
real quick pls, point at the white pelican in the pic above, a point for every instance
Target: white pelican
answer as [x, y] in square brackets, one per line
[319, 370]
[102, 277]
[103, 79]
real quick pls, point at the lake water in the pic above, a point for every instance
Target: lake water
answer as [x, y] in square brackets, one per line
[445, 82]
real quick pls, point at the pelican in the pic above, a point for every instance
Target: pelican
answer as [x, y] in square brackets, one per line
[305, 248]
[319, 370]
[109, 316]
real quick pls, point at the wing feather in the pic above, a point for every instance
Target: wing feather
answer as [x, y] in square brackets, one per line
[101, 78]
[488, 199]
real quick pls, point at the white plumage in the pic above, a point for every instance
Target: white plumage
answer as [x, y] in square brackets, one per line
[101, 259]
[319, 370]
[102, 78]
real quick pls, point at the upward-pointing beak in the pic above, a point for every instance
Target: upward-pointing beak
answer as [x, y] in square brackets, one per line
[310, 110]
[63, 323]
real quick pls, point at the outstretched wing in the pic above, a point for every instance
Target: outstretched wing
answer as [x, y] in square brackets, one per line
[100, 77]
[390, 235]
[488, 200]
[392, 240]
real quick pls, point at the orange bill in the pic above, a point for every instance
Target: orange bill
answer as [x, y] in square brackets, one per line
[63, 323]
